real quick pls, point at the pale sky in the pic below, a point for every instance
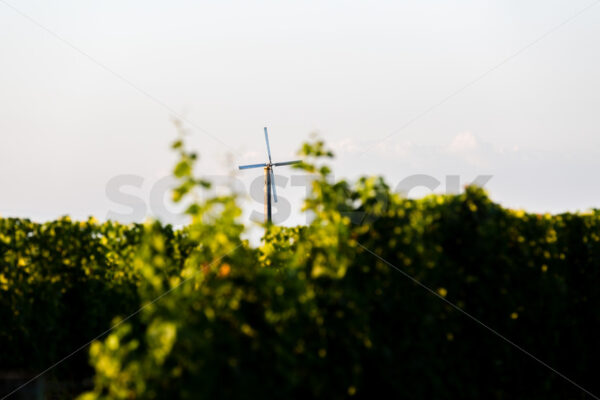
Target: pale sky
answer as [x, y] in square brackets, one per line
[78, 112]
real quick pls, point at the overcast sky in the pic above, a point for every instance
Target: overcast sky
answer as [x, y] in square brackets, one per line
[509, 89]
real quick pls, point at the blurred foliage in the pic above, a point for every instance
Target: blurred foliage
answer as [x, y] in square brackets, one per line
[311, 314]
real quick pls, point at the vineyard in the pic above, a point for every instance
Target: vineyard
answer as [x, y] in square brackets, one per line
[326, 310]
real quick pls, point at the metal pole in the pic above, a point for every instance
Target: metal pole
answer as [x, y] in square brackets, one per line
[268, 194]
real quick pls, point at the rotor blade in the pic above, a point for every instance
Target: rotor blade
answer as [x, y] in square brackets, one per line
[273, 186]
[279, 164]
[268, 146]
[252, 166]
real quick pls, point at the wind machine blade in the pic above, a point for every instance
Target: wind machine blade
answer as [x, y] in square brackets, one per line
[273, 185]
[252, 166]
[279, 164]
[268, 146]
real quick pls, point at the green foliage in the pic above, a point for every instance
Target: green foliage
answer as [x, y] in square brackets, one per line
[311, 313]
[60, 282]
